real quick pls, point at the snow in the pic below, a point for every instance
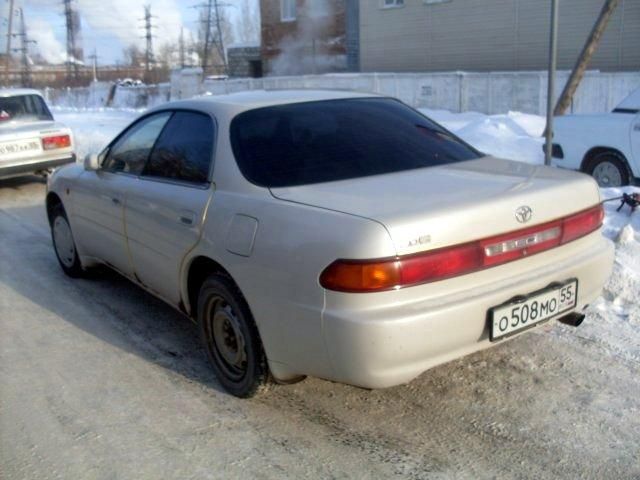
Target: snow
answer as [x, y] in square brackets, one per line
[93, 129]
[614, 318]
[515, 135]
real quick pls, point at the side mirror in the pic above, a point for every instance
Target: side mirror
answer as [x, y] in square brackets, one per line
[91, 162]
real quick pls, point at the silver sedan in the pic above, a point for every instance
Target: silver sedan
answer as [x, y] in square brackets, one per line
[340, 235]
[31, 141]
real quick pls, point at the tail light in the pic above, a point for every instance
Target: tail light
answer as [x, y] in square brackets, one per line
[59, 141]
[360, 276]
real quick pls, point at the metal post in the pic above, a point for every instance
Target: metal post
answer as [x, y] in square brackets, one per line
[553, 57]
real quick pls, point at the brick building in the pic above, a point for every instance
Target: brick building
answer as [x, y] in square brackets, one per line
[309, 36]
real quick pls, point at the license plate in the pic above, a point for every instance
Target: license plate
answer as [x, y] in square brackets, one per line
[19, 149]
[528, 311]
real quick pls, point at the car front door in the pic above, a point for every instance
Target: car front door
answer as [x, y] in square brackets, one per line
[164, 213]
[100, 196]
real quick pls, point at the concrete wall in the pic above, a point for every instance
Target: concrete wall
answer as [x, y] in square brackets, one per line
[485, 92]
[490, 35]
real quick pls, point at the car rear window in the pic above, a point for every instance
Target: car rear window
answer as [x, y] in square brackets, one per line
[23, 107]
[313, 142]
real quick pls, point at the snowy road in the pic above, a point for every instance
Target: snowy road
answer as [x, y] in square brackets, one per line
[100, 380]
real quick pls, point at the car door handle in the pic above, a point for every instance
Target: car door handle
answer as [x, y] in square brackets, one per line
[115, 201]
[187, 218]
[636, 127]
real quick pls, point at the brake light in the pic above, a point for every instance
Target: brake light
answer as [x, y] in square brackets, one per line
[582, 223]
[359, 276]
[59, 141]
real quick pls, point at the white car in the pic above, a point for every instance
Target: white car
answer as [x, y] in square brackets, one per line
[340, 235]
[606, 146]
[31, 141]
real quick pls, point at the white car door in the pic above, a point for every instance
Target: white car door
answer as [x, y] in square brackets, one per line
[100, 196]
[164, 212]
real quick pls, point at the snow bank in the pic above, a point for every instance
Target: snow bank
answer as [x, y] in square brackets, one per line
[516, 136]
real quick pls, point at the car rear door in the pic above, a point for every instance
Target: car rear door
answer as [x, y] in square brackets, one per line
[100, 196]
[164, 212]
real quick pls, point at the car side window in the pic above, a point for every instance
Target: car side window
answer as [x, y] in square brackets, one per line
[184, 150]
[131, 150]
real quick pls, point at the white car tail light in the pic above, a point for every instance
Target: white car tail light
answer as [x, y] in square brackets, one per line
[58, 141]
[359, 276]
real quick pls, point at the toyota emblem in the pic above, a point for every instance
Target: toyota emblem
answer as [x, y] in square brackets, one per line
[524, 214]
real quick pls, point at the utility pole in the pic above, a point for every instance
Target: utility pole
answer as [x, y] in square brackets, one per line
[94, 57]
[207, 39]
[220, 41]
[149, 38]
[181, 43]
[71, 23]
[10, 29]
[24, 50]
[553, 60]
[585, 56]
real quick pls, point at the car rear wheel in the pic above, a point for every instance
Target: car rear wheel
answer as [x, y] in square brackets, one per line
[231, 338]
[64, 244]
[609, 170]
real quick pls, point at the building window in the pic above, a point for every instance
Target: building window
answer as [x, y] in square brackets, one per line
[392, 3]
[288, 10]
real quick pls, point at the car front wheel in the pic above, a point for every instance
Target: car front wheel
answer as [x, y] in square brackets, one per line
[609, 170]
[64, 244]
[231, 338]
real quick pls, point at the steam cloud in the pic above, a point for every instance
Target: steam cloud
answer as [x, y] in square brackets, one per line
[308, 50]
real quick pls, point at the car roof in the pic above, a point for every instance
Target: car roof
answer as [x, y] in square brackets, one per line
[233, 103]
[12, 92]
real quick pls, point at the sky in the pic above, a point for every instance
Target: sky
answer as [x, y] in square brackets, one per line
[111, 25]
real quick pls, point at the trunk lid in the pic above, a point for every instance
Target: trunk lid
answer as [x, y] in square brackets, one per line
[17, 129]
[435, 207]
[23, 140]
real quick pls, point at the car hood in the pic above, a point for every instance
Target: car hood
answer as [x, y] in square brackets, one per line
[440, 206]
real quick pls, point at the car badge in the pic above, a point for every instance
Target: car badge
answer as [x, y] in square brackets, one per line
[524, 214]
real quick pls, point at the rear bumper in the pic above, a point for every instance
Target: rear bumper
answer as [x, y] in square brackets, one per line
[31, 166]
[379, 344]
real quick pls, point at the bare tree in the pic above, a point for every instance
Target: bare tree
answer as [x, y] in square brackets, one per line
[133, 55]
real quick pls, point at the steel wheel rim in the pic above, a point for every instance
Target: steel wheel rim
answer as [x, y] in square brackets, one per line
[607, 175]
[227, 344]
[63, 240]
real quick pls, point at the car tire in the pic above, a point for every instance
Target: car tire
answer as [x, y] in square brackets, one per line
[609, 169]
[230, 337]
[63, 243]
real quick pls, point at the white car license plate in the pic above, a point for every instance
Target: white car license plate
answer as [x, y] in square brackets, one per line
[518, 315]
[20, 148]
